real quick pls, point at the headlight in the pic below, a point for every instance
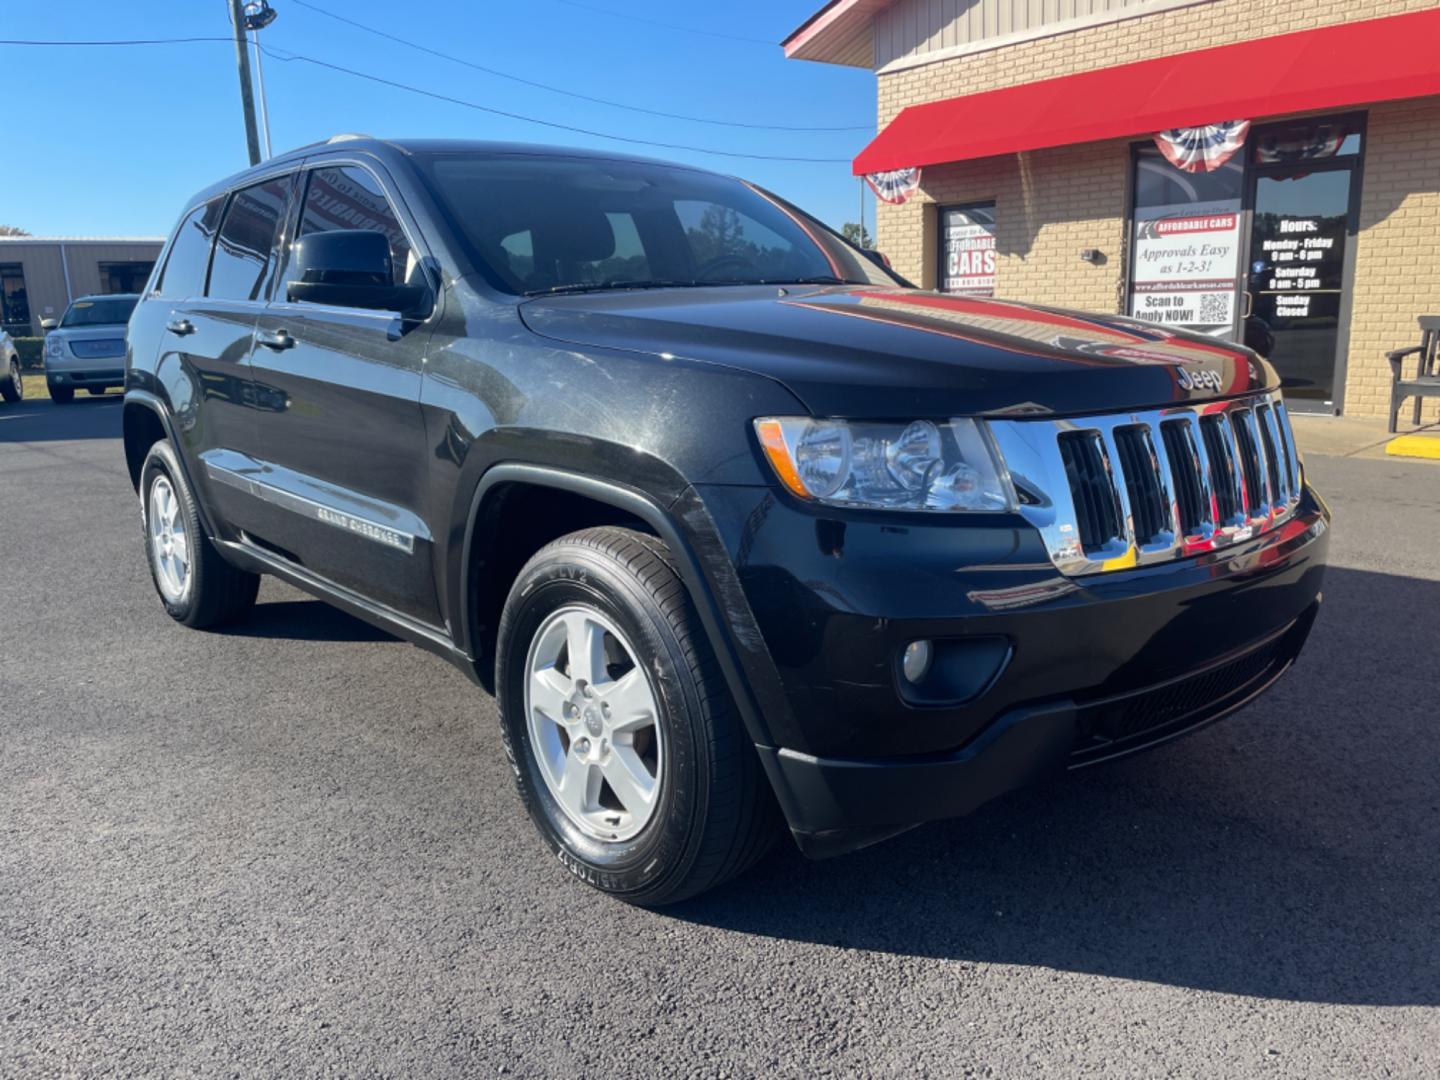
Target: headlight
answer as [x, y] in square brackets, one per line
[952, 465]
[55, 346]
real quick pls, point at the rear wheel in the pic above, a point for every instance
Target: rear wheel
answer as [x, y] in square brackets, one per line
[627, 748]
[197, 587]
[96, 391]
[62, 395]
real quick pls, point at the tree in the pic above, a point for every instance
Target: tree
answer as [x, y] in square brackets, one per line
[13, 230]
[857, 235]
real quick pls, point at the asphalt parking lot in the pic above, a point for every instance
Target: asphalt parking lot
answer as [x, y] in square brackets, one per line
[294, 848]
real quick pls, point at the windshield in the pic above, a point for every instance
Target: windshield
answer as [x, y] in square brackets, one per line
[99, 312]
[544, 225]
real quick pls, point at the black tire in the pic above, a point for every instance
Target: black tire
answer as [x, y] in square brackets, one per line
[96, 391]
[218, 593]
[715, 813]
[62, 395]
[12, 387]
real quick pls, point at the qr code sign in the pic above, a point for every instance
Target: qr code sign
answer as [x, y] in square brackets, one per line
[1214, 307]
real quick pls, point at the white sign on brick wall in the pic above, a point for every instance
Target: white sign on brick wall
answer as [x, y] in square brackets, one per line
[1187, 261]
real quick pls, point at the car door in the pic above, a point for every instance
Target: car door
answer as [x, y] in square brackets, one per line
[346, 458]
[218, 272]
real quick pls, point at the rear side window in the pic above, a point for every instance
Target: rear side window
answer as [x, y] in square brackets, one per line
[184, 271]
[347, 197]
[247, 238]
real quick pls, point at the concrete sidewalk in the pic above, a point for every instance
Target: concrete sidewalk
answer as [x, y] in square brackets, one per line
[1349, 436]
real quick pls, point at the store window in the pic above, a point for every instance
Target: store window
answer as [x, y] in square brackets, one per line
[124, 277]
[1185, 244]
[1309, 140]
[14, 300]
[967, 249]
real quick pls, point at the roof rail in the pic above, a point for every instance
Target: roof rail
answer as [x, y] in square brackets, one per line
[348, 136]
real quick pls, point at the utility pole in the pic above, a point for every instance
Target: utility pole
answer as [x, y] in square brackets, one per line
[247, 95]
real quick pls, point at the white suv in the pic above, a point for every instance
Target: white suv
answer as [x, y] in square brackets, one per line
[86, 349]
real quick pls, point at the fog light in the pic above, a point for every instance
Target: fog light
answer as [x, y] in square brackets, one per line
[916, 661]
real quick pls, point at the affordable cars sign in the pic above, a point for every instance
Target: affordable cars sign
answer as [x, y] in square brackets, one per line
[1187, 261]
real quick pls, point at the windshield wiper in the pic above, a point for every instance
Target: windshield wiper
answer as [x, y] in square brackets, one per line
[604, 286]
[818, 279]
[663, 283]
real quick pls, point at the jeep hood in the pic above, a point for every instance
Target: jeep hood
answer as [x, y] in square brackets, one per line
[897, 353]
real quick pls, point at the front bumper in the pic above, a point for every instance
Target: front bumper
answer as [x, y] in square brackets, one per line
[1091, 667]
[835, 805]
[94, 377]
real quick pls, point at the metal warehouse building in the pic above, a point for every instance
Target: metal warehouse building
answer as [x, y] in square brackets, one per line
[40, 275]
[1260, 170]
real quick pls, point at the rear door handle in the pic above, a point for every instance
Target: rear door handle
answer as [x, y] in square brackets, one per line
[180, 327]
[279, 340]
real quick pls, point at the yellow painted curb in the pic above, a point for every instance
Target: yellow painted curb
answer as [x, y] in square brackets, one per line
[1421, 446]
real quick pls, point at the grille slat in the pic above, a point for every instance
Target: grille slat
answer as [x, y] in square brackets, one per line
[1242, 423]
[1222, 467]
[1187, 474]
[1095, 503]
[1292, 455]
[1142, 482]
[1269, 440]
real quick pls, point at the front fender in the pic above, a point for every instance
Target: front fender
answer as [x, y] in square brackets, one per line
[685, 527]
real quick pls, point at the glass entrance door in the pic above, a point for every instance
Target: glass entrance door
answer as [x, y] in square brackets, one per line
[1297, 282]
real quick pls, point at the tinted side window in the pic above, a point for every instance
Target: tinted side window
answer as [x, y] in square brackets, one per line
[346, 197]
[242, 253]
[184, 271]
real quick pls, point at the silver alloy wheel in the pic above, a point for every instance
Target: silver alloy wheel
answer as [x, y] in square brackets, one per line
[169, 546]
[594, 723]
[16, 380]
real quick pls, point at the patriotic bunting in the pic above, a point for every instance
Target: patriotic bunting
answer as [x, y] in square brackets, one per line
[1202, 149]
[895, 186]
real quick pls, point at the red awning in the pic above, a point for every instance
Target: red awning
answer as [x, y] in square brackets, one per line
[1332, 67]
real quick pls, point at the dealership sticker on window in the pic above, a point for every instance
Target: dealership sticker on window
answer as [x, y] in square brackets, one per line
[1186, 262]
[968, 250]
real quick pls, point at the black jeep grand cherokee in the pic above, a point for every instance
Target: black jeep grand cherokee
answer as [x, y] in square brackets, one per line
[734, 522]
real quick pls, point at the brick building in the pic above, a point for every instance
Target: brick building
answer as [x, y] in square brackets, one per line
[1032, 124]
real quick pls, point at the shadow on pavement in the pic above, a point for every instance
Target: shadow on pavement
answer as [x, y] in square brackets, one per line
[41, 420]
[1288, 852]
[305, 620]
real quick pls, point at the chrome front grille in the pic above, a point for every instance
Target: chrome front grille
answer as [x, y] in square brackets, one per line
[1112, 492]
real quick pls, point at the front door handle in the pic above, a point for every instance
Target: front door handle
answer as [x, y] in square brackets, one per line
[279, 340]
[180, 327]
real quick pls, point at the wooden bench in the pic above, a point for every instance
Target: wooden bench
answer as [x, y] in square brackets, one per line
[1426, 382]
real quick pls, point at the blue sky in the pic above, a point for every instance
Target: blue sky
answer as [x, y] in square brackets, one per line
[113, 140]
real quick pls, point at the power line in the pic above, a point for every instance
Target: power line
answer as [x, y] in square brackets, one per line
[287, 56]
[559, 90]
[666, 25]
[126, 41]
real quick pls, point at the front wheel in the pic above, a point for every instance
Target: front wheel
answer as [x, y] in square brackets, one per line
[62, 395]
[12, 388]
[198, 587]
[627, 748]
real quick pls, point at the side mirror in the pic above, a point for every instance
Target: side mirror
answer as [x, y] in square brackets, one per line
[878, 258]
[46, 325]
[350, 268]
